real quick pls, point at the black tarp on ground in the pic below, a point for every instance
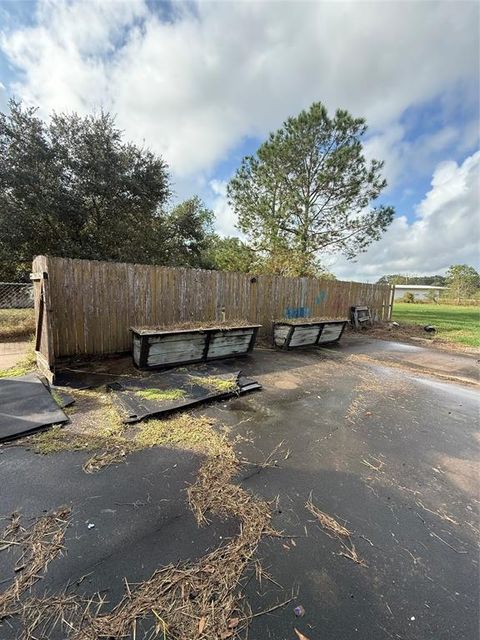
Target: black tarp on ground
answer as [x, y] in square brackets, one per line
[134, 407]
[26, 405]
[61, 398]
[81, 380]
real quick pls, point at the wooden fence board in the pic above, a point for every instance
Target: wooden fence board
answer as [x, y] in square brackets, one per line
[92, 304]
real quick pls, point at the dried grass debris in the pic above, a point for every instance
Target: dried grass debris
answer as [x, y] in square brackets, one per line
[11, 531]
[113, 454]
[195, 599]
[334, 529]
[41, 617]
[196, 325]
[41, 543]
[192, 600]
[184, 430]
[216, 383]
[327, 522]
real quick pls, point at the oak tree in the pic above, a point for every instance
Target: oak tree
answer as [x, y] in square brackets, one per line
[72, 186]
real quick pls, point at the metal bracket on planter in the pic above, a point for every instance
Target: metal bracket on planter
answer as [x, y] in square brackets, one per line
[361, 316]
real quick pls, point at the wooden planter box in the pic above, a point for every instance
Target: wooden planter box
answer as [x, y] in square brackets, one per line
[287, 335]
[164, 348]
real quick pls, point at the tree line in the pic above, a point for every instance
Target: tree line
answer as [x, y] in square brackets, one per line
[73, 187]
[397, 278]
[462, 281]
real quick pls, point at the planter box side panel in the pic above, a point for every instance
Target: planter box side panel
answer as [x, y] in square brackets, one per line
[304, 336]
[280, 333]
[229, 343]
[136, 349]
[183, 336]
[331, 332]
[173, 349]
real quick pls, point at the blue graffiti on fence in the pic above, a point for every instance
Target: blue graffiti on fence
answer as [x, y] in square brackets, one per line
[293, 313]
[322, 296]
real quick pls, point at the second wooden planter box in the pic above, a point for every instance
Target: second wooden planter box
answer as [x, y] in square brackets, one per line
[299, 334]
[153, 348]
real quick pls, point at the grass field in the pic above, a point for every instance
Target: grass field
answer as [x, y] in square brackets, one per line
[16, 324]
[454, 324]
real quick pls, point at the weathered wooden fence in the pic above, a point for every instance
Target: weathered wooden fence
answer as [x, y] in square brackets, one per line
[86, 307]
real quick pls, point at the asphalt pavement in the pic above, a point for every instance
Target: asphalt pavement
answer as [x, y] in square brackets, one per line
[389, 451]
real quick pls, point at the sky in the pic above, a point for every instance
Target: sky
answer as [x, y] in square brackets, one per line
[203, 83]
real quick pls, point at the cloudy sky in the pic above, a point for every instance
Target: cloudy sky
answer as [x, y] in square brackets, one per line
[203, 84]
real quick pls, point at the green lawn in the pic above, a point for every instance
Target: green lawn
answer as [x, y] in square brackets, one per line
[455, 324]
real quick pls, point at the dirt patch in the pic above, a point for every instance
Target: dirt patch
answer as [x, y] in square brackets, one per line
[286, 381]
[462, 473]
[97, 426]
[25, 365]
[94, 424]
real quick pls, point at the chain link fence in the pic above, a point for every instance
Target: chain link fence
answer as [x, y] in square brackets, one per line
[16, 295]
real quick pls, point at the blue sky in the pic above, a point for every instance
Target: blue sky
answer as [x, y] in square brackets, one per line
[203, 84]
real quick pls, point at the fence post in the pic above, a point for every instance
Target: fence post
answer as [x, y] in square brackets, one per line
[392, 298]
[43, 325]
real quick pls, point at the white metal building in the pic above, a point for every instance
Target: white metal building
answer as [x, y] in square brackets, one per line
[420, 291]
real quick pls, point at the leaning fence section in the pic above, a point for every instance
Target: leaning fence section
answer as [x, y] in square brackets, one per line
[89, 306]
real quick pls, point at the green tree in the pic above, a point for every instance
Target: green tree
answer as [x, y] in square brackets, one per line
[408, 296]
[308, 188]
[437, 281]
[72, 187]
[291, 263]
[231, 254]
[187, 233]
[432, 296]
[463, 281]
[395, 279]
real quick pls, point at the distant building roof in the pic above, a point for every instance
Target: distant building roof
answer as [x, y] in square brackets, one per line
[418, 286]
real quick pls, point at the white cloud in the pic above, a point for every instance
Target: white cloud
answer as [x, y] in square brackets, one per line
[413, 159]
[3, 97]
[224, 214]
[194, 86]
[445, 232]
